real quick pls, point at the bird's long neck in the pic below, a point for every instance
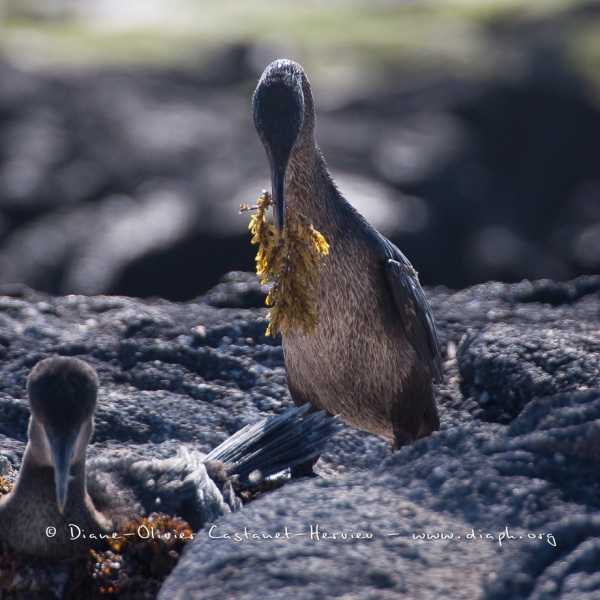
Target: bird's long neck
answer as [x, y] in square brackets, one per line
[310, 189]
[37, 480]
[32, 507]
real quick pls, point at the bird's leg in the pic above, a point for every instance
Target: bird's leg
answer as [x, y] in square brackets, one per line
[401, 438]
[304, 469]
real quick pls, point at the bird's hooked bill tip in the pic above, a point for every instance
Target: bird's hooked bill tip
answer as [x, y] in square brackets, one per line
[61, 498]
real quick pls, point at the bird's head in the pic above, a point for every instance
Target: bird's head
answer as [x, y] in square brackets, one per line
[278, 107]
[62, 396]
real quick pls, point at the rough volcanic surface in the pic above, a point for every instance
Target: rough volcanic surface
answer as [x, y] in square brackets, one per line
[503, 502]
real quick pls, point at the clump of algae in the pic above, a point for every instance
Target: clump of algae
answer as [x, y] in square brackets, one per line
[293, 259]
[140, 558]
[5, 486]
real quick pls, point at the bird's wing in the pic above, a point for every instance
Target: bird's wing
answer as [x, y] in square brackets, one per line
[415, 313]
[275, 444]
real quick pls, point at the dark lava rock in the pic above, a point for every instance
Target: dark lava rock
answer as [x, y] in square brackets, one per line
[469, 512]
[238, 290]
[504, 366]
[501, 503]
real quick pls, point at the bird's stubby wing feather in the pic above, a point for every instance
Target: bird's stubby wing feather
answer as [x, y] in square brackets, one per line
[415, 313]
[275, 444]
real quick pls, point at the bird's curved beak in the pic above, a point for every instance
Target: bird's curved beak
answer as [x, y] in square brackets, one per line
[62, 449]
[278, 184]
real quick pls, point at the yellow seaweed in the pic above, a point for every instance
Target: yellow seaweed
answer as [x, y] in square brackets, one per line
[293, 260]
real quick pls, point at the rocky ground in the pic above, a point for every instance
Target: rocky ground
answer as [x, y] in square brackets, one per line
[517, 454]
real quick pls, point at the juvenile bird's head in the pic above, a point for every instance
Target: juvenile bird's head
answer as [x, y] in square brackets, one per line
[62, 396]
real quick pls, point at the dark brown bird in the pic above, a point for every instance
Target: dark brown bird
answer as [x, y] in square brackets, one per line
[375, 351]
[58, 501]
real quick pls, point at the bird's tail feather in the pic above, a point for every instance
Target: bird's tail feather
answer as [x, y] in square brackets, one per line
[275, 444]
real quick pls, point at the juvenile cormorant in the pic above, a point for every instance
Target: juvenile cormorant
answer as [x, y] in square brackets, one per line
[57, 496]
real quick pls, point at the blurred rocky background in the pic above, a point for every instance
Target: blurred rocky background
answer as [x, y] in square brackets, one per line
[466, 131]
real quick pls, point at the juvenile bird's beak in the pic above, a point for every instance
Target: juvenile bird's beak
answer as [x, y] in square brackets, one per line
[62, 452]
[278, 183]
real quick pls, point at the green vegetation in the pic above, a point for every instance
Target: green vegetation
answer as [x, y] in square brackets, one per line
[584, 51]
[417, 35]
